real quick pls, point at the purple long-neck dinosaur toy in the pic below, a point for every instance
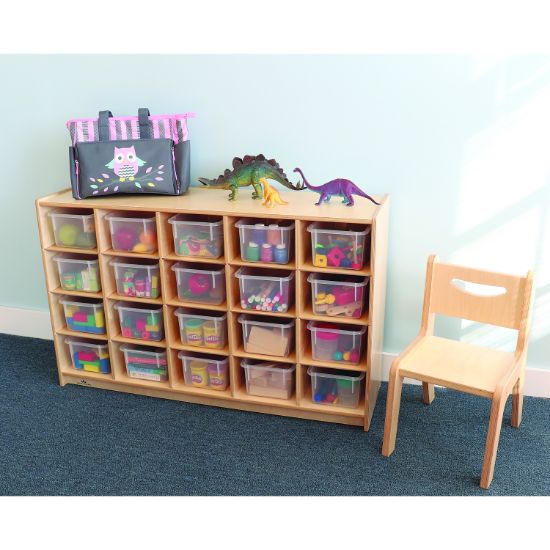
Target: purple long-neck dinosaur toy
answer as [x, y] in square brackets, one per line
[339, 187]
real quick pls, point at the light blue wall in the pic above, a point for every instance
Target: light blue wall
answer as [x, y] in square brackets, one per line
[461, 144]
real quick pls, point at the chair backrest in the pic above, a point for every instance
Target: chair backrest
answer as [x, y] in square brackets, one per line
[446, 294]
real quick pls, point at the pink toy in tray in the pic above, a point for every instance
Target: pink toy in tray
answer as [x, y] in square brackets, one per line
[346, 295]
[335, 257]
[87, 355]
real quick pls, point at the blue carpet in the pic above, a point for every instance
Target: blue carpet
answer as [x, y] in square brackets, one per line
[83, 441]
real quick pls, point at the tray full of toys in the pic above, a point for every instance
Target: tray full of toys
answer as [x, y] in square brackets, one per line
[84, 315]
[133, 233]
[340, 248]
[145, 363]
[80, 273]
[271, 243]
[202, 329]
[204, 371]
[269, 379]
[336, 342]
[260, 291]
[136, 279]
[334, 387]
[337, 295]
[73, 229]
[267, 335]
[197, 237]
[200, 284]
[142, 323]
[89, 356]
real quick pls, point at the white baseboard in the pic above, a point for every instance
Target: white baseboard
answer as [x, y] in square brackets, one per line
[25, 322]
[36, 323]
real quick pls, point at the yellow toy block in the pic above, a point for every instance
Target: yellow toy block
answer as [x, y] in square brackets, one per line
[320, 260]
[99, 319]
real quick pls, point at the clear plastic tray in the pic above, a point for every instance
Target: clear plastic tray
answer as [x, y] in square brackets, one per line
[262, 291]
[203, 371]
[340, 248]
[84, 315]
[89, 356]
[78, 273]
[73, 228]
[330, 342]
[208, 331]
[337, 295]
[267, 335]
[145, 363]
[140, 323]
[204, 285]
[197, 237]
[269, 379]
[133, 233]
[136, 279]
[334, 387]
[266, 243]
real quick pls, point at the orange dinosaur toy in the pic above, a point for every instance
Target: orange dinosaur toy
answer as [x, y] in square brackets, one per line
[271, 196]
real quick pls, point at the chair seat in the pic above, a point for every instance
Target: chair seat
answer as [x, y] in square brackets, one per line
[457, 365]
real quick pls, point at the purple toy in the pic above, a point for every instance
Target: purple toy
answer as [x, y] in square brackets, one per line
[124, 239]
[339, 187]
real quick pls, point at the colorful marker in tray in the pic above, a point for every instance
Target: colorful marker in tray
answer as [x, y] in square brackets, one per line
[265, 296]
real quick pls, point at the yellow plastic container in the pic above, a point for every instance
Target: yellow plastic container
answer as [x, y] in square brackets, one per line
[199, 374]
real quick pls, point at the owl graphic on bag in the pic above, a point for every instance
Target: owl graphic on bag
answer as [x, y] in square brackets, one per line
[125, 163]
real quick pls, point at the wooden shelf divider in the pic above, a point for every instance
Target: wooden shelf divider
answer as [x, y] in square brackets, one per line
[202, 202]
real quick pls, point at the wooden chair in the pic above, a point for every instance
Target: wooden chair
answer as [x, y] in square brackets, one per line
[465, 367]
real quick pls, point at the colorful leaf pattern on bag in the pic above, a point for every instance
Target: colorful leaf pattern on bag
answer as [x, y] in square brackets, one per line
[150, 174]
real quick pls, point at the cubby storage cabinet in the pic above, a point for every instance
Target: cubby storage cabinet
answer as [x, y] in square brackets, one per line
[204, 204]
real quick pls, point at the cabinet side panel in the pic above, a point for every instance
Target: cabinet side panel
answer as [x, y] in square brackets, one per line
[45, 240]
[379, 256]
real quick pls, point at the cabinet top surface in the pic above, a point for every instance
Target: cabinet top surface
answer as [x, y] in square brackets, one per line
[214, 201]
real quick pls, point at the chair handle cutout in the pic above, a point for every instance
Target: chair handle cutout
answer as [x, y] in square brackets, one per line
[478, 289]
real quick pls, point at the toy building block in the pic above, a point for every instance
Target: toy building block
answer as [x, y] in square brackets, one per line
[90, 367]
[80, 317]
[266, 342]
[320, 260]
[348, 310]
[335, 257]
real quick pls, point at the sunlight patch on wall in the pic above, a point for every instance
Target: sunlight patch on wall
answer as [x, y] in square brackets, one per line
[489, 336]
[505, 164]
[510, 247]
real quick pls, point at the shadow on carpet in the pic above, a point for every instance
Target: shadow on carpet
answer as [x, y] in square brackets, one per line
[83, 441]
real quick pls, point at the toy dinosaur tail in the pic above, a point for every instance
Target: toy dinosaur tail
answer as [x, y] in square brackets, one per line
[306, 183]
[361, 193]
[285, 182]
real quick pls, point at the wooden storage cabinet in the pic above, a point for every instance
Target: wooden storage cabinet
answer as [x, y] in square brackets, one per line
[202, 202]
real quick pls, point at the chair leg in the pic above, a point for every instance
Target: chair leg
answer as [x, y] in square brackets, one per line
[493, 436]
[428, 393]
[517, 402]
[393, 403]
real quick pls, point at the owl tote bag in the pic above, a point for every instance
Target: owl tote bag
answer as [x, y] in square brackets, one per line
[140, 155]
